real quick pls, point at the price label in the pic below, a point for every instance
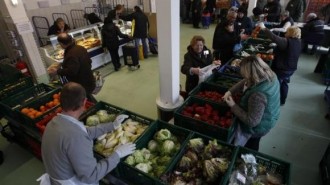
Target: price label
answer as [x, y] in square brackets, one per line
[240, 177]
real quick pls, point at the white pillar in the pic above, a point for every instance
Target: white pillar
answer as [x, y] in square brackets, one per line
[168, 31]
[252, 4]
[16, 19]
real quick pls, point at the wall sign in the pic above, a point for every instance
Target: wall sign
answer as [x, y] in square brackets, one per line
[24, 27]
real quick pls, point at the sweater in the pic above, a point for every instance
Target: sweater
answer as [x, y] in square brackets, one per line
[67, 151]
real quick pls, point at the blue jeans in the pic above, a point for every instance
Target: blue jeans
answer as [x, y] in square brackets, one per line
[284, 79]
[144, 45]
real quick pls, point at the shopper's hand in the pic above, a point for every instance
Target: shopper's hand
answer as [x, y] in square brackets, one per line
[244, 36]
[227, 94]
[52, 71]
[217, 62]
[230, 102]
[125, 149]
[119, 120]
[261, 25]
[195, 70]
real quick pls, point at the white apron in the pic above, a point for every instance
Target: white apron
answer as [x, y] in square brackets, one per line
[45, 180]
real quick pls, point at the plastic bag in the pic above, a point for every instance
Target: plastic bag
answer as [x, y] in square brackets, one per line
[205, 72]
[99, 82]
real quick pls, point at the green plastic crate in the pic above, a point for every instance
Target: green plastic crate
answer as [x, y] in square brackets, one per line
[272, 164]
[224, 134]
[16, 86]
[111, 109]
[133, 176]
[12, 103]
[208, 87]
[24, 119]
[206, 140]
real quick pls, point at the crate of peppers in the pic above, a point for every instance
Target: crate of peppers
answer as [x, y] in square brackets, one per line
[206, 117]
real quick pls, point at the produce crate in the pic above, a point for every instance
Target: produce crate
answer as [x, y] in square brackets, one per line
[41, 125]
[197, 125]
[256, 41]
[130, 174]
[206, 140]
[15, 86]
[272, 164]
[12, 103]
[111, 109]
[209, 87]
[134, 117]
[41, 101]
[231, 71]
[222, 80]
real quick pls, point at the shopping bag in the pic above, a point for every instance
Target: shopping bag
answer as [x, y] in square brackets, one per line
[206, 72]
[237, 47]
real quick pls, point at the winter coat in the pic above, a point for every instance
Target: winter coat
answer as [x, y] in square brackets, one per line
[273, 9]
[286, 54]
[77, 67]
[295, 8]
[141, 24]
[224, 42]
[245, 23]
[55, 30]
[313, 26]
[110, 33]
[192, 59]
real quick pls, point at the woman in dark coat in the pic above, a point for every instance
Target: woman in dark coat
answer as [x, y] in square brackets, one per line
[286, 56]
[110, 41]
[197, 56]
[224, 40]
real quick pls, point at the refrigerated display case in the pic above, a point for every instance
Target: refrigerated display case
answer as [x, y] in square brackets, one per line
[89, 37]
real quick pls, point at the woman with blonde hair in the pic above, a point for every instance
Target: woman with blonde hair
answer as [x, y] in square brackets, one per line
[259, 107]
[286, 56]
[197, 57]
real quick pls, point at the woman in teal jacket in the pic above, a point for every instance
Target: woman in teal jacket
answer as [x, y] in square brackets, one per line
[259, 106]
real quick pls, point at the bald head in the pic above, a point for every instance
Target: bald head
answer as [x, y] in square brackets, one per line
[64, 39]
[72, 96]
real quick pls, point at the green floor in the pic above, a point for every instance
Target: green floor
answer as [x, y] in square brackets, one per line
[300, 136]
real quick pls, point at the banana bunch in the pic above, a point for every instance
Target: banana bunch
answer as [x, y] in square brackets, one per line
[129, 131]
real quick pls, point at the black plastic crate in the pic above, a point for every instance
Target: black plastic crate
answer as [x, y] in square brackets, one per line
[209, 87]
[12, 103]
[206, 140]
[222, 80]
[16, 86]
[111, 109]
[272, 164]
[215, 131]
[255, 41]
[130, 174]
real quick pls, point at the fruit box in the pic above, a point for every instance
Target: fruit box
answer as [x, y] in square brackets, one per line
[16, 86]
[41, 125]
[272, 165]
[213, 90]
[12, 103]
[36, 104]
[111, 109]
[137, 118]
[222, 129]
[206, 140]
[222, 80]
[132, 175]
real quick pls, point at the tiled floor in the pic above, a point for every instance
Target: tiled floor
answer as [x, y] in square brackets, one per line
[300, 136]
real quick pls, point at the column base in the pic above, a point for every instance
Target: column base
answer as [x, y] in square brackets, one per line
[166, 110]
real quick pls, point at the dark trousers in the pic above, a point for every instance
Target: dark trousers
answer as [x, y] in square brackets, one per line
[115, 57]
[284, 79]
[196, 18]
[253, 143]
[187, 13]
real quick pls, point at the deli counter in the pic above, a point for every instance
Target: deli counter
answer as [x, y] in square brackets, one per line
[90, 38]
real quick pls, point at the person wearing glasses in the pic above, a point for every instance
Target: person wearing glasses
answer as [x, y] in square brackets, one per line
[259, 107]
